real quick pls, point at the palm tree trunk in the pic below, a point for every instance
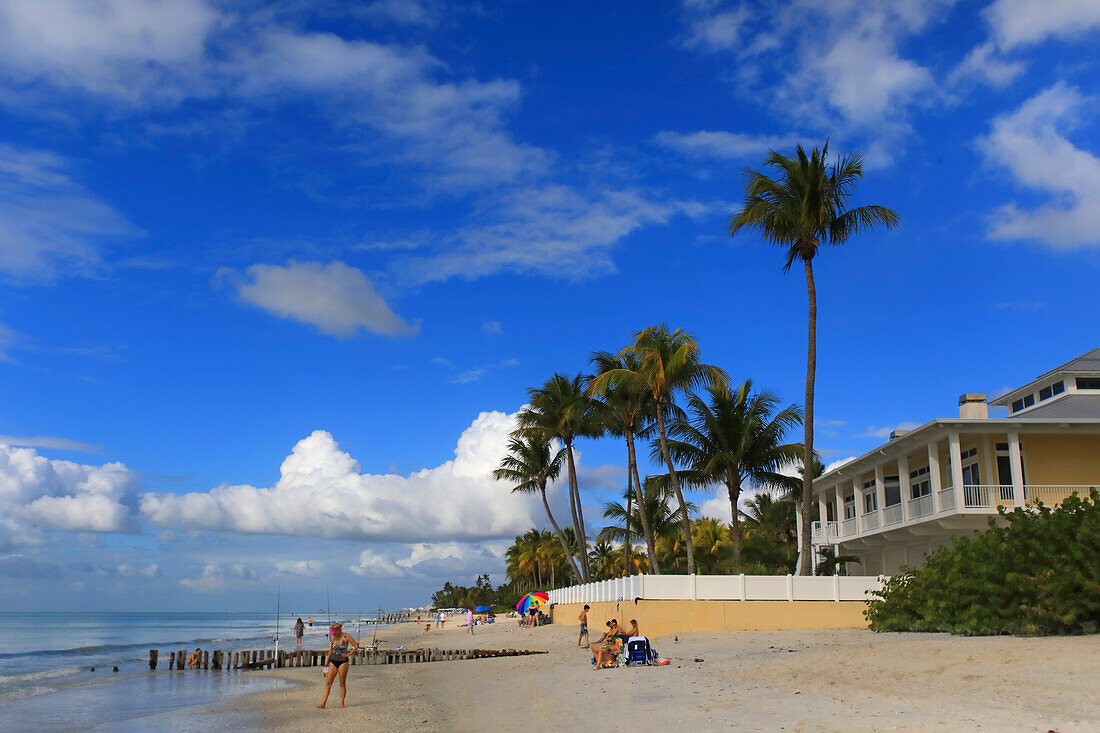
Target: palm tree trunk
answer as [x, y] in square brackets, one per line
[582, 539]
[686, 520]
[808, 463]
[560, 535]
[647, 530]
[626, 538]
[734, 488]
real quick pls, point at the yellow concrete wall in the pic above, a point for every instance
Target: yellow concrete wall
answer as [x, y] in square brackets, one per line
[1062, 459]
[658, 618]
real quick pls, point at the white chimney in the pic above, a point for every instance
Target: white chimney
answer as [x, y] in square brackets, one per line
[972, 406]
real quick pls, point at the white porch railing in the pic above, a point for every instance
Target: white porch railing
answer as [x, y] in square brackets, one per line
[869, 521]
[721, 588]
[891, 514]
[947, 499]
[1052, 495]
[921, 506]
[848, 527]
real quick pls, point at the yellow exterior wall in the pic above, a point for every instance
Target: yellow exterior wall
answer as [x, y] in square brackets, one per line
[1062, 459]
[658, 618]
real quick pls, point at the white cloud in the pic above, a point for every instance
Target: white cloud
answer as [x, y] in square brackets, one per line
[38, 494]
[491, 327]
[321, 492]
[1016, 23]
[304, 568]
[1031, 144]
[134, 51]
[724, 145]
[336, 298]
[984, 64]
[554, 230]
[840, 462]
[49, 224]
[215, 577]
[373, 564]
[45, 441]
[404, 12]
[873, 431]
[847, 77]
[478, 373]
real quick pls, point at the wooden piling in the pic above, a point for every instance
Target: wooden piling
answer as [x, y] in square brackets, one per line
[152, 659]
[206, 660]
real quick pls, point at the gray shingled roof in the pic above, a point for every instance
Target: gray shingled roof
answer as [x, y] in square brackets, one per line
[1070, 407]
[1086, 362]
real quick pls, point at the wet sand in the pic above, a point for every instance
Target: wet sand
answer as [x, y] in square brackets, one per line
[840, 680]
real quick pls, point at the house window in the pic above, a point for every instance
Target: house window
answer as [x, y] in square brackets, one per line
[1088, 382]
[970, 474]
[1004, 467]
[870, 497]
[891, 487]
[1017, 405]
[1047, 392]
[850, 507]
[920, 482]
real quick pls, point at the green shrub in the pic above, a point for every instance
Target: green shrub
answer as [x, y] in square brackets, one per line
[1040, 574]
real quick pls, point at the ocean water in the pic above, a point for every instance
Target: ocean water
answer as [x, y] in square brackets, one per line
[46, 661]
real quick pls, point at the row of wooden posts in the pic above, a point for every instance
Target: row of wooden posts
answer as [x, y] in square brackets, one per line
[270, 659]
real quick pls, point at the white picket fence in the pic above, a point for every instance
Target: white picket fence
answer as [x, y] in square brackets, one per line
[722, 588]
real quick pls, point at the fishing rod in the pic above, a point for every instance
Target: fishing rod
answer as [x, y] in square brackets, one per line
[278, 616]
[374, 639]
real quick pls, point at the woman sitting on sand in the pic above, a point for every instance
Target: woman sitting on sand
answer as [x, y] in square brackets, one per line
[338, 654]
[607, 646]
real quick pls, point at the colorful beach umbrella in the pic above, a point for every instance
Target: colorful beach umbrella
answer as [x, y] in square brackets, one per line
[538, 599]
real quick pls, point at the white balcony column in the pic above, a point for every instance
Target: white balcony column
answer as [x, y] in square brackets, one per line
[823, 511]
[903, 486]
[988, 463]
[934, 473]
[880, 494]
[1016, 466]
[839, 509]
[955, 452]
[857, 492]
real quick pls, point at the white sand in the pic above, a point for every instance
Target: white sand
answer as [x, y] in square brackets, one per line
[850, 680]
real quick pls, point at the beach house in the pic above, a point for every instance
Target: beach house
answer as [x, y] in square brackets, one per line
[947, 477]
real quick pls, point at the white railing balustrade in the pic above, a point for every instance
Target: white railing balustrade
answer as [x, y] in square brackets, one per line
[921, 506]
[1053, 496]
[848, 528]
[947, 499]
[891, 514]
[721, 588]
[987, 496]
[869, 521]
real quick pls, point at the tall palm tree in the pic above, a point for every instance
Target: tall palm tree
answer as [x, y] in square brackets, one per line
[730, 438]
[560, 409]
[531, 462]
[665, 362]
[658, 503]
[804, 207]
[602, 555]
[625, 410]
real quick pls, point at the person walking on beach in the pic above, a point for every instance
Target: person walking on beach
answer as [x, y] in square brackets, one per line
[583, 618]
[299, 632]
[442, 619]
[340, 647]
[469, 622]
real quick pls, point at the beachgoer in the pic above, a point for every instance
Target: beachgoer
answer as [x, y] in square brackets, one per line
[583, 618]
[442, 619]
[337, 660]
[600, 652]
[633, 629]
[195, 658]
[311, 622]
[299, 632]
[469, 622]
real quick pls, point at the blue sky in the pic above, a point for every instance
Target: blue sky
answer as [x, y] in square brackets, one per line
[227, 226]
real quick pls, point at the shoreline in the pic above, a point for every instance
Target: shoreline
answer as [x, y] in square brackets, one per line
[850, 680]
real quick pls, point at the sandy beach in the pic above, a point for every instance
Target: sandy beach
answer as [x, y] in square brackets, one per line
[834, 680]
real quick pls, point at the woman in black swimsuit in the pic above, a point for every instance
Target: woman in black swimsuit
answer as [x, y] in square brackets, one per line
[340, 648]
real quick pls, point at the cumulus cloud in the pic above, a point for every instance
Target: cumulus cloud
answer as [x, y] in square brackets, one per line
[1016, 23]
[49, 224]
[849, 75]
[336, 298]
[38, 494]
[322, 492]
[839, 462]
[215, 577]
[1031, 144]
